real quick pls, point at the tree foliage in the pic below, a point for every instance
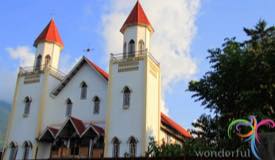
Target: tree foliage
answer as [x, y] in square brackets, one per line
[241, 82]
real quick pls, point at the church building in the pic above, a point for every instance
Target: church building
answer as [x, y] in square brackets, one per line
[89, 113]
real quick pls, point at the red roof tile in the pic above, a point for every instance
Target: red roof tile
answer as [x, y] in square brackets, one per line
[78, 124]
[168, 121]
[137, 17]
[99, 130]
[97, 68]
[53, 130]
[49, 34]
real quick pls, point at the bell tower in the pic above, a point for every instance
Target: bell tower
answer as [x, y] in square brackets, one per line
[136, 31]
[133, 111]
[33, 87]
[48, 47]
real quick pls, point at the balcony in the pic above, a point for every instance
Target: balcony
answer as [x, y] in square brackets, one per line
[133, 56]
[34, 72]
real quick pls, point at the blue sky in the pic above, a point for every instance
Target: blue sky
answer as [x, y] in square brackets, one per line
[82, 25]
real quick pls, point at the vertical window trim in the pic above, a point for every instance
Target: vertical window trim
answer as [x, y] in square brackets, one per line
[27, 107]
[27, 149]
[13, 150]
[141, 46]
[69, 107]
[116, 147]
[83, 90]
[126, 97]
[132, 146]
[131, 48]
[96, 101]
[47, 60]
[38, 62]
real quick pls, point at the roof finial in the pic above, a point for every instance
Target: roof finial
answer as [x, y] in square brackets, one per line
[52, 14]
[137, 17]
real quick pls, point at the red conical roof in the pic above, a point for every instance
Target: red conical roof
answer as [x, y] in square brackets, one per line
[49, 34]
[137, 17]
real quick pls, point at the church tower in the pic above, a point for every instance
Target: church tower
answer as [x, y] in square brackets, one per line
[48, 47]
[33, 87]
[133, 112]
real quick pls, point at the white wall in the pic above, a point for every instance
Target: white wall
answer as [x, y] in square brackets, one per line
[137, 33]
[126, 123]
[152, 102]
[52, 49]
[82, 108]
[23, 128]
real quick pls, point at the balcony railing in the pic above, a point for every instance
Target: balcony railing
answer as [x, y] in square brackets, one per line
[41, 69]
[133, 55]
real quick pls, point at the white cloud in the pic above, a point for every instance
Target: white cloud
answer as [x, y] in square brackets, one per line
[23, 54]
[25, 57]
[67, 62]
[174, 24]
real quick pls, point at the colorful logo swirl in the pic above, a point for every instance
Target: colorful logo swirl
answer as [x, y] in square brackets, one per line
[252, 135]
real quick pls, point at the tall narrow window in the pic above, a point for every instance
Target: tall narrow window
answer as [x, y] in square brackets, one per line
[69, 107]
[27, 102]
[83, 94]
[116, 147]
[131, 49]
[124, 49]
[27, 149]
[126, 97]
[47, 60]
[141, 46]
[132, 146]
[96, 105]
[38, 62]
[13, 151]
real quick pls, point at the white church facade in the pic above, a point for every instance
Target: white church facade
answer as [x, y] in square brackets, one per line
[88, 112]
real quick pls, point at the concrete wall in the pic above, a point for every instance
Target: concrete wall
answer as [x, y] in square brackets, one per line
[137, 33]
[51, 49]
[82, 108]
[125, 123]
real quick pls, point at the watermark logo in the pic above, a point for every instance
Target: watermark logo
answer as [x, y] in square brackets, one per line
[252, 135]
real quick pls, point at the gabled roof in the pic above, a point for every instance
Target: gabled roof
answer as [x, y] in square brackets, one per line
[96, 129]
[73, 72]
[52, 131]
[77, 124]
[97, 68]
[137, 17]
[49, 34]
[168, 121]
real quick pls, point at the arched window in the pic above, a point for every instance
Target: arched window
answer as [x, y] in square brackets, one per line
[132, 146]
[38, 62]
[141, 46]
[69, 107]
[124, 49]
[47, 60]
[83, 94]
[96, 104]
[116, 144]
[27, 102]
[131, 49]
[126, 97]
[27, 149]
[13, 151]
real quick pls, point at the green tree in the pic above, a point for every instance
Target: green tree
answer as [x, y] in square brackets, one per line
[241, 82]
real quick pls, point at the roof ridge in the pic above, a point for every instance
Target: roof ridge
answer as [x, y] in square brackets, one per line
[137, 17]
[49, 34]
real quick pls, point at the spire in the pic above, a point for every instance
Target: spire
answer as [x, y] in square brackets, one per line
[49, 34]
[137, 17]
